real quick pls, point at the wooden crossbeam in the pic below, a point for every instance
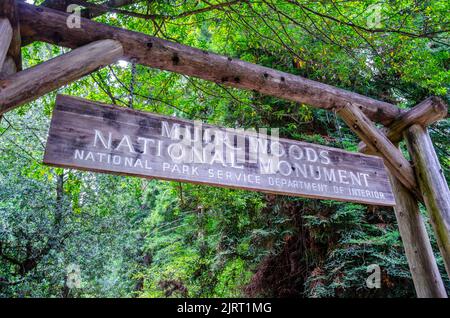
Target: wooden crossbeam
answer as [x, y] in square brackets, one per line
[425, 113]
[433, 185]
[380, 144]
[34, 82]
[94, 9]
[44, 24]
[419, 253]
[6, 33]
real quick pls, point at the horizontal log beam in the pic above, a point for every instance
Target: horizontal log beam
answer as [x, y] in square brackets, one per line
[5, 39]
[44, 24]
[425, 113]
[94, 11]
[34, 82]
[433, 185]
[380, 144]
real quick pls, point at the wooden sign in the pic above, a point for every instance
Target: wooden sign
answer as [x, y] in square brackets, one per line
[97, 137]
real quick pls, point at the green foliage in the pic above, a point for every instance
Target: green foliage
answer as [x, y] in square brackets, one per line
[358, 244]
[133, 237]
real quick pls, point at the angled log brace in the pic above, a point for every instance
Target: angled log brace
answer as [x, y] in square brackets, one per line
[34, 82]
[425, 113]
[380, 144]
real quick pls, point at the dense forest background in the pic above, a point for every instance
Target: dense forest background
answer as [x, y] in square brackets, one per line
[132, 237]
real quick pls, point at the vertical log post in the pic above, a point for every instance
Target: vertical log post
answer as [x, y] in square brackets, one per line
[422, 263]
[433, 185]
[9, 10]
[6, 34]
[5, 39]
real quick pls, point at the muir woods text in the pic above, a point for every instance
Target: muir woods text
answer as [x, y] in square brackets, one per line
[97, 137]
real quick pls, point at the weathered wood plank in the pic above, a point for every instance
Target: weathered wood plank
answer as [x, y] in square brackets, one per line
[380, 144]
[5, 39]
[433, 185]
[34, 82]
[9, 10]
[49, 25]
[98, 137]
[425, 113]
[422, 263]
